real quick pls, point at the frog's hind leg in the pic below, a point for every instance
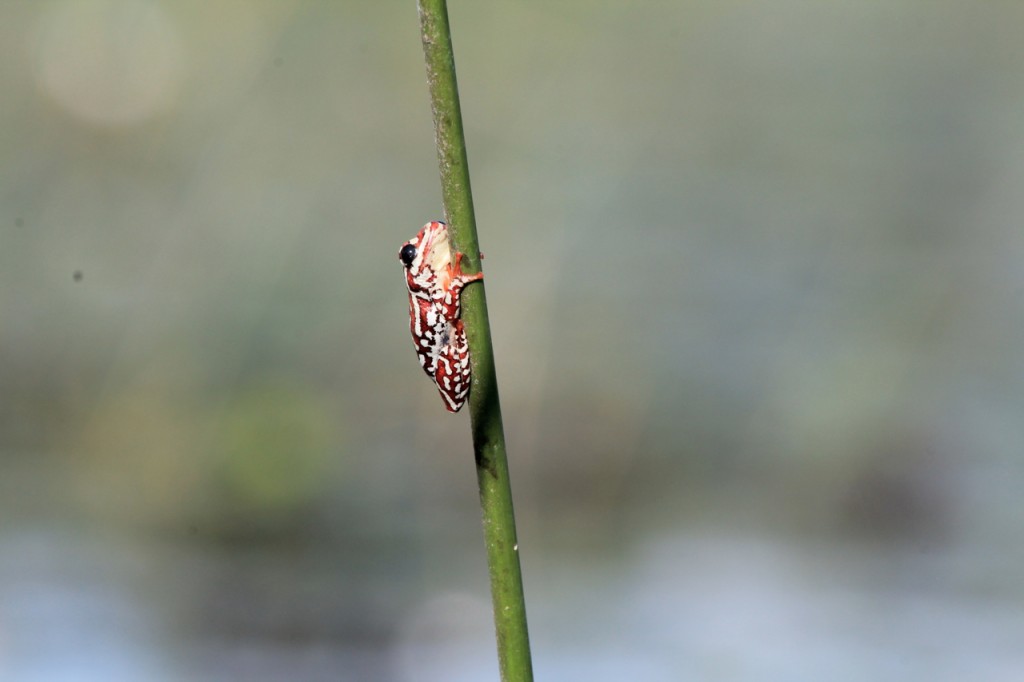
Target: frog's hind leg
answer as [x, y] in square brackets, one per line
[453, 371]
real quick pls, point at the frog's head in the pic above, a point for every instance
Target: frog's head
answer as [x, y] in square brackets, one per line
[429, 249]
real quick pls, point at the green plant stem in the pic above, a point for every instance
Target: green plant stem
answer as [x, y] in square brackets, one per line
[484, 408]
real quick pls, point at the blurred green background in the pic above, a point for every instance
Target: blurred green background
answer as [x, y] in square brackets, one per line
[755, 276]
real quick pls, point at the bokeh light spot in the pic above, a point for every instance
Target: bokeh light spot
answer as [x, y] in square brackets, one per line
[109, 62]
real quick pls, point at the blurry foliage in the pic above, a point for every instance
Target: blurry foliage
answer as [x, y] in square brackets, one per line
[137, 457]
[256, 460]
[276, 446]
[748, 240]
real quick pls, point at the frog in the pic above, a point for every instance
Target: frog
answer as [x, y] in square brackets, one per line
[435, 280]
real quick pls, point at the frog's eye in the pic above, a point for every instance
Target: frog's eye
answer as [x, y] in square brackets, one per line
[407, 254]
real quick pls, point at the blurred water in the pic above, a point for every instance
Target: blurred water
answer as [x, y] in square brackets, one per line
[754, 275]
[704, 605]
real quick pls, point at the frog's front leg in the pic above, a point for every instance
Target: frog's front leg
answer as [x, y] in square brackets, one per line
[452, 299]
